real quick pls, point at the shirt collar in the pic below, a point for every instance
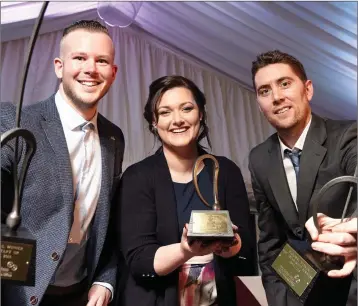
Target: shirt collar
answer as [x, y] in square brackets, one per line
[71, 119]
[299, 143]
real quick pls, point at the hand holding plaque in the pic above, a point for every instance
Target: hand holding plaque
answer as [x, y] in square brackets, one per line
[337, 239]
[305, 271]
[214, 224]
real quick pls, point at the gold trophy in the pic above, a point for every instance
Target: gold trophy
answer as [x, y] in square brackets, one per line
[214, 224]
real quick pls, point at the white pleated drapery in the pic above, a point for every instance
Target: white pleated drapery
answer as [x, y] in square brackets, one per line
[235, 122]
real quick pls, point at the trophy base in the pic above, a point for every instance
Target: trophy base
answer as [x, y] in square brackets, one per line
[209, 226]
[18, 257]
[304, 272]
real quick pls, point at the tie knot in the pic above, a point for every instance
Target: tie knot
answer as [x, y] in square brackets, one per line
[88, 126]
[295, 152]
[294, 155]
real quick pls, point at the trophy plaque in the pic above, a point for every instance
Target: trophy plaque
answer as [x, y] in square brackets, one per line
[214, 224]
[304, 270]
[18, 245]
[18, 256]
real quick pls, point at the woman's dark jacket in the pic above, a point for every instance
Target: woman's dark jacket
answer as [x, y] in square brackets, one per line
[146, 219]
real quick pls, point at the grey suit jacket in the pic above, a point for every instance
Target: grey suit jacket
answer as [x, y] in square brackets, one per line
[330, 150]
[48, 199]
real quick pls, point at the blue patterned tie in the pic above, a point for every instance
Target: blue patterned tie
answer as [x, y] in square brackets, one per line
[294, 155]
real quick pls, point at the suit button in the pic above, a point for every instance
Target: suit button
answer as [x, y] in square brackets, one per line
[55, 256]
[34, 300]
[298, 231]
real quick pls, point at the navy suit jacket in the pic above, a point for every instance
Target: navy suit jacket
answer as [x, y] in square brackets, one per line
[48, 197]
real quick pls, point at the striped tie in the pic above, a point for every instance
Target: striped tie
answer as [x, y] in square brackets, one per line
[294, 155]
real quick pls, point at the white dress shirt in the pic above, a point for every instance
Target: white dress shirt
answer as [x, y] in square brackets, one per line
[72, 268]
[287, 163]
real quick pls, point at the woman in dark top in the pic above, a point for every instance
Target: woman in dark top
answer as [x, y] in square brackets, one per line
[156, 198]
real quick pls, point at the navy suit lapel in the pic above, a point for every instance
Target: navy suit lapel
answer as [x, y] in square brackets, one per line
[312, 156]
[279, 185]
[53, 129]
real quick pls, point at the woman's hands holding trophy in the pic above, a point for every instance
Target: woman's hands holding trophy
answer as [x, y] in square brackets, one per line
[210, 231]
[227, 249]
[198, 247]
[337, 239]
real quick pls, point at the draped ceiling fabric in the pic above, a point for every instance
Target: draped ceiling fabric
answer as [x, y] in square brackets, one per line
[213, 43]
[228, 35]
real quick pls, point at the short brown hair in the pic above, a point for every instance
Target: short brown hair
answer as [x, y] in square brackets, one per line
[277, 57]
[88, 25]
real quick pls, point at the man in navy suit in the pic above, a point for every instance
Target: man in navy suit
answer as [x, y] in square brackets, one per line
[72, 178]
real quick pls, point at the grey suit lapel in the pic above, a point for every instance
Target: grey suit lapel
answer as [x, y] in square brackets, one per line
[279, 185]
[312, 156]
[101, 217]
[53, 129]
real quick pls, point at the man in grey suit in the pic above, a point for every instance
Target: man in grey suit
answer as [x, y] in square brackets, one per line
[291, 166]
[73, 176]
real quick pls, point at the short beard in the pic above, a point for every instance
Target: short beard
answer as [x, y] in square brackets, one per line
[78, 102]
[280, 127]
[297, 126]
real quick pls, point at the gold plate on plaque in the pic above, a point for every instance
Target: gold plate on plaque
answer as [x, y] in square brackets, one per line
[294, 269]
[210, 225]
[300, 269]
[210, 222]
